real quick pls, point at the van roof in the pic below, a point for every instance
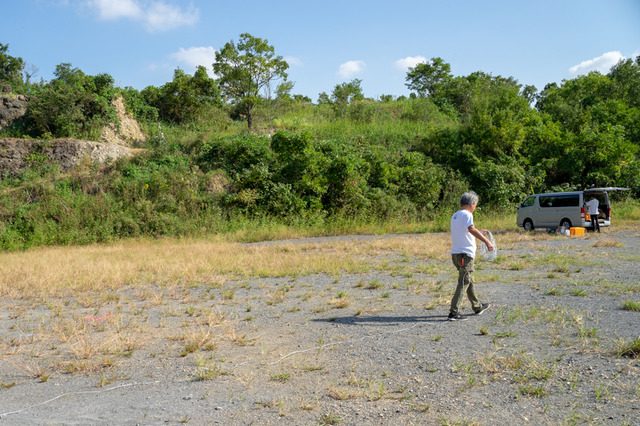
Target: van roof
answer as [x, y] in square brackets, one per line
[560, 193]
[604, 189]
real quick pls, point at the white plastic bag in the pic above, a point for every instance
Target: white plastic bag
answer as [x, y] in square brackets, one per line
[492, 255]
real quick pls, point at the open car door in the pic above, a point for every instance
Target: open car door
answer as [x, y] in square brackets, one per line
[607, 189]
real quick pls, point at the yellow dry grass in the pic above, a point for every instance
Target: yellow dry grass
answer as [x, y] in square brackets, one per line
[66, 271]
[607, 242]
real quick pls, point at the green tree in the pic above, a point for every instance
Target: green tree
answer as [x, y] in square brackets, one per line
[345, 94]
[302, 99]
[497, 115]
[425, 78]
[10, 66]
[324, 99]
[185, 97]
[246, 69]
[625, 76]
[73, 104]
[598, 117]
[283, 91]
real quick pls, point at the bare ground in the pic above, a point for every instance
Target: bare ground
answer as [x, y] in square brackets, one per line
[363, 348]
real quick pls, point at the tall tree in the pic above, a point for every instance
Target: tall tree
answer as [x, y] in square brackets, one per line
[425, 78]
[185, 97]
[625, 76]
[345, 94]
[10, 66]
[246, 69]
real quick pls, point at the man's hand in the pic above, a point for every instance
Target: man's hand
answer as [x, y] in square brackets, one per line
[490, 246]
[481, 236]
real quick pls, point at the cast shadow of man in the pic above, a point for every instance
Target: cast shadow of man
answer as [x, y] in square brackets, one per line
[382, 320]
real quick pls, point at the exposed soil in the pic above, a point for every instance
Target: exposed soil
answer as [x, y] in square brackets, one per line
[127, 133]
[16, 155]
[370, 348]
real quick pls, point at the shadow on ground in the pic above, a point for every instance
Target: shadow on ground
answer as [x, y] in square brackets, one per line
[390, 320]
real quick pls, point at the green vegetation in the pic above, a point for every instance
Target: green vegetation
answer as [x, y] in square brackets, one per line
[73, 104]
[345, 164]
[630, 349]
[246, 69]
[631, 305]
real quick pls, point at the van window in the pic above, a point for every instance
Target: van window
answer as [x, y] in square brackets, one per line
[564, 200]
[546, 200]
[570, 200]
[529, 202]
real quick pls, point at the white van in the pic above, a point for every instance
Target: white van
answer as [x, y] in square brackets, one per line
[565, 209]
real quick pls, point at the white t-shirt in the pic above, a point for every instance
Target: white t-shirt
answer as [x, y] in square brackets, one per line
[461, 239]
[593, 206]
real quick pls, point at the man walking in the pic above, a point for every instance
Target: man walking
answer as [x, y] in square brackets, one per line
[463, 252]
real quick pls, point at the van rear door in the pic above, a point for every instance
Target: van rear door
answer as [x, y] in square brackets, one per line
[604, 217]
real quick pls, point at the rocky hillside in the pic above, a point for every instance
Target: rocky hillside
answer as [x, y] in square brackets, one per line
[18, 154]
[12, 108]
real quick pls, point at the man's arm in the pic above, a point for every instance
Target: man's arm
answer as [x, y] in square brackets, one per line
[474, 231]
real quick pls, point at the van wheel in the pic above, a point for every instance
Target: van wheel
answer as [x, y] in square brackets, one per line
[528, 225]
[565, 223]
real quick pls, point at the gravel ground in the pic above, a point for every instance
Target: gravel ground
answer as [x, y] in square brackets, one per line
[368, 348]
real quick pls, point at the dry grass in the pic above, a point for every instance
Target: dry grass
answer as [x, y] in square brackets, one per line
[607, 242]
[344, 393]
[519, 236]
[71, 271]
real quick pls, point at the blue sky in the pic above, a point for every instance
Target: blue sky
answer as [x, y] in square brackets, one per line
[141, 42]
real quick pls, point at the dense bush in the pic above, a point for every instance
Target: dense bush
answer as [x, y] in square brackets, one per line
[71, 105]
[160, 193]
[294, 174]
[185, 97]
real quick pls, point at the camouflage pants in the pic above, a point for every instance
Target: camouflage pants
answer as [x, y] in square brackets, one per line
[466, 283]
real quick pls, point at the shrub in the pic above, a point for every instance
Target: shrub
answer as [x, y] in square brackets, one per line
[71, 105]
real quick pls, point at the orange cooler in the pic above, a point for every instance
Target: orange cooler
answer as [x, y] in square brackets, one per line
[576, 231]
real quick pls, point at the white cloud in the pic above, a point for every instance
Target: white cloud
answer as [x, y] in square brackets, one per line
[115, 9]
[154, 15]
[161, 17]
[351, 68]
[409, 62]
[601, 63]
[293, 61]
[195, 56]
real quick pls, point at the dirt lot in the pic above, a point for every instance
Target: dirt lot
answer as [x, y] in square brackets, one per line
[370, 345]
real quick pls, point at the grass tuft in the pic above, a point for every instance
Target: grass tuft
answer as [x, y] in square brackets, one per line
[629, 349]
[631, 305]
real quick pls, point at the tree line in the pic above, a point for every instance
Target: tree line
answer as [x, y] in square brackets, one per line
[350, 154]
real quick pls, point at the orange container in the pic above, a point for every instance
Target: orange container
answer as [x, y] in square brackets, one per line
[576, 231]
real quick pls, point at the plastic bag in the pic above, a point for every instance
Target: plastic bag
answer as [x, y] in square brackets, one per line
[492, 255]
